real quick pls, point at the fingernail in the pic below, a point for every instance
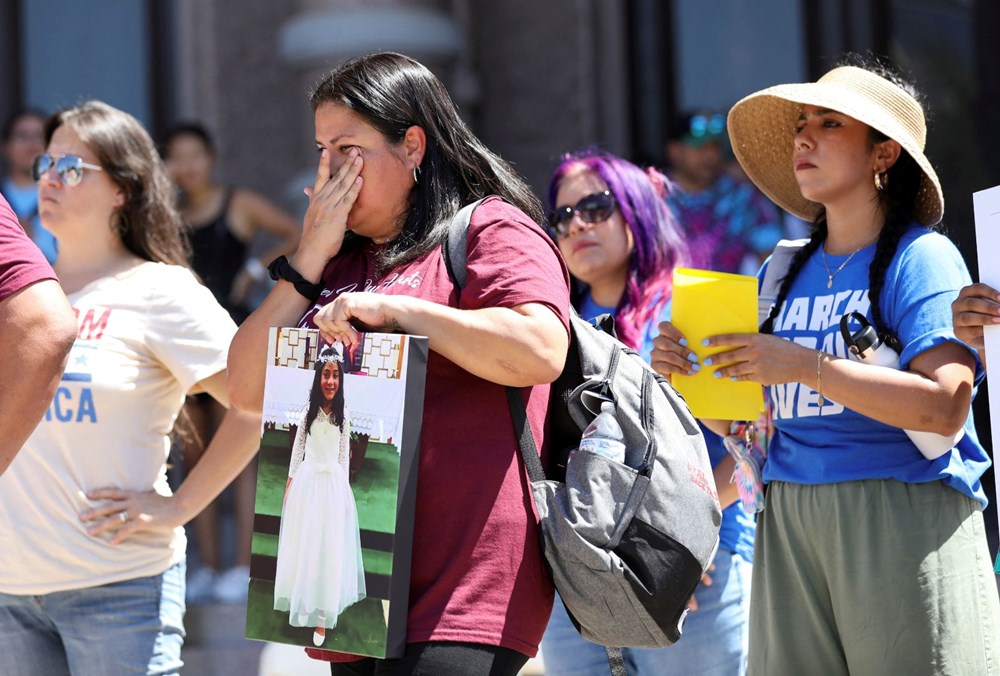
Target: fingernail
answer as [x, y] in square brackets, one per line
[692, 357]
[708, 361]
[696, 367]
[705, 342]
[717, 374]
[683, 342]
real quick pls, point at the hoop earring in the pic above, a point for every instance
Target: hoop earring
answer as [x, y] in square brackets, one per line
[881, 181]
[416, 174]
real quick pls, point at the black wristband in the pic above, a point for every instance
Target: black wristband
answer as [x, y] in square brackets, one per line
[280, 268]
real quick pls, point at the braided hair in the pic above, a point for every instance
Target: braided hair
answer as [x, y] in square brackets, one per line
[897, 201]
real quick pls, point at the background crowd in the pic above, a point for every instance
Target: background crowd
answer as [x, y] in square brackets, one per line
[621, 228]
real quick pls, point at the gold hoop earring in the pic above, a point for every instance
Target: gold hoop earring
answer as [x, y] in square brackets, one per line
[881, 181]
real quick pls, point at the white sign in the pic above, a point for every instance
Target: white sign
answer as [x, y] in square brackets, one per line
[986, 205]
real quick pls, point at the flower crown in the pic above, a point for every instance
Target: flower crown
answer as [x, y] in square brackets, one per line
[329, 355]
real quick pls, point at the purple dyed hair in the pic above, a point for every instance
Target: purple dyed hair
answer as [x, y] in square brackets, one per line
[659, 240]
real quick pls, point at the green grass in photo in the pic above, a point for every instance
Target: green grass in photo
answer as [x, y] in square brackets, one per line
[361, 629]
[375, 486]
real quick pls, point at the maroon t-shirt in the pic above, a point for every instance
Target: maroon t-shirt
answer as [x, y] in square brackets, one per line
[21, 262]
[477, 574]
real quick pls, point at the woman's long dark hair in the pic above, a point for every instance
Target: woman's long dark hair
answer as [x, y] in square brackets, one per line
[326, 356]
[392, 92]
[148, 224]
[898, 202]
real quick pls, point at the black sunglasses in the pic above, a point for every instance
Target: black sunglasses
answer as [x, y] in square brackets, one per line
[593, 208]
[69, 168]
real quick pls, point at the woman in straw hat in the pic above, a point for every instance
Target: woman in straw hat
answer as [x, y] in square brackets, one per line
[869, 557]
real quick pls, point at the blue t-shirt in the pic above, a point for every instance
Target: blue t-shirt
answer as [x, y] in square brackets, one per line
[24, 202]
[590, 310]
[831, 444]
[738, 526]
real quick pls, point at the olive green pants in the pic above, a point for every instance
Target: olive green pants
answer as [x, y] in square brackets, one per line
[872, 577]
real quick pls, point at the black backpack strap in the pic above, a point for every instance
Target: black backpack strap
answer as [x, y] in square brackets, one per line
[616, 661]
[455, 247]
[522, 430]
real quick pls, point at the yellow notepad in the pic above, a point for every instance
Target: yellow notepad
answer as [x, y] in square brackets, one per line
[707, 303]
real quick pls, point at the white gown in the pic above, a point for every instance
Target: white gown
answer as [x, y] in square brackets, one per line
[319, 568]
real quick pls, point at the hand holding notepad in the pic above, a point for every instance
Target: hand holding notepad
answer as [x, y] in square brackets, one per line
[708, 304]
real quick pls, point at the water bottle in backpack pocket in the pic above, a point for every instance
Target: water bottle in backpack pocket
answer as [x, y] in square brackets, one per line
[604, 435]
[625, 542]
[865, 345]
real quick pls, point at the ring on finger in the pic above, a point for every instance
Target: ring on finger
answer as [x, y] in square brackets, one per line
[123, 516]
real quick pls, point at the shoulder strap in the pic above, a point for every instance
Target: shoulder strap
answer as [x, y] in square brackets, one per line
[777, 268]
[456, 244]
[455, 251]
[616, 661]
[525, 441]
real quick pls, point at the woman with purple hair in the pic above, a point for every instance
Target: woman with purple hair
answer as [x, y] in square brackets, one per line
[621, 244]
[619, 240]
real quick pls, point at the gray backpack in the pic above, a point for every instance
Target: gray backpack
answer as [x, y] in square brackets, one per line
[626, 544]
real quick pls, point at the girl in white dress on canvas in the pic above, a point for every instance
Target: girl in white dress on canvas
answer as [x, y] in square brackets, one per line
[319, 569]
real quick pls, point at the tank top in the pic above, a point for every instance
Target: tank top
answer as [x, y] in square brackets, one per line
[217, 256]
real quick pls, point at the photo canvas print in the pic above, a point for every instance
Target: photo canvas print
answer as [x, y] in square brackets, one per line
[336, 485]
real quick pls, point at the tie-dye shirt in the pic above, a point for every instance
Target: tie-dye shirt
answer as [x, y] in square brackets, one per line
[730, 227]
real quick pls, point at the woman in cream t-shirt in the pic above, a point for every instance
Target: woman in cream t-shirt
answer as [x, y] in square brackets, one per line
[91, 540]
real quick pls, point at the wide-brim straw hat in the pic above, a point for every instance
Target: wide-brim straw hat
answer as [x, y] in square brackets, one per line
[761, 130]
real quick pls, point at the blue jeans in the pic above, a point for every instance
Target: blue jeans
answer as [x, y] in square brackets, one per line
[130, 627]
[714, 640]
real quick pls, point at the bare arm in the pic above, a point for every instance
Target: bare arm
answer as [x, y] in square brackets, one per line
[519, 347]
[266, 216]
[259, 214]
[231, 448]
[934, 395]
[282, 307]
[37, 330]
[723, 472]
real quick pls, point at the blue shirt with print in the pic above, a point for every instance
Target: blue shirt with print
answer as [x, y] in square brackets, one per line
[737, 529]
[24, 202]
[816, 444]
